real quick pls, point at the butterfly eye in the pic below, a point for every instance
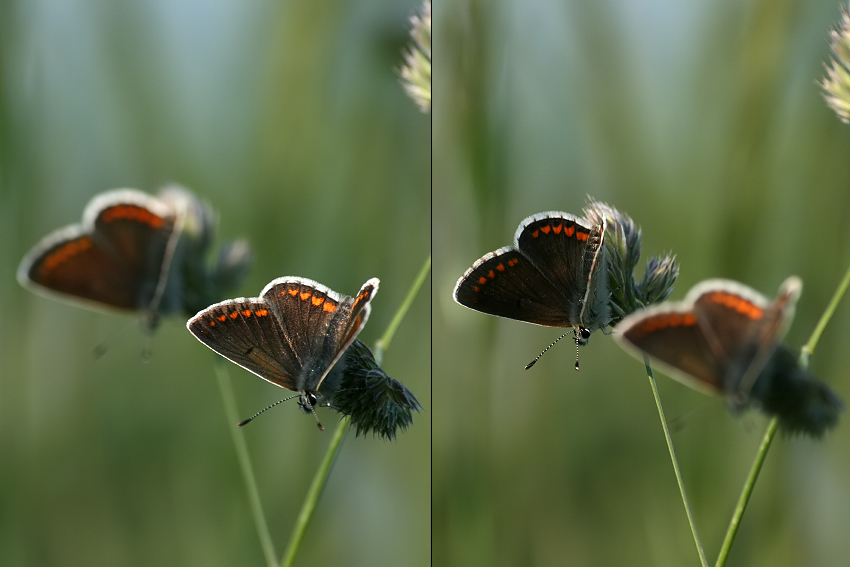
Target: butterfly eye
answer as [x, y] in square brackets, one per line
[311, 399]
[584, 333]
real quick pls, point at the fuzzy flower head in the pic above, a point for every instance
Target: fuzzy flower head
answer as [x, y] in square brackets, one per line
[836, 85]
[416, 72]
[376, 402]
[622, 245]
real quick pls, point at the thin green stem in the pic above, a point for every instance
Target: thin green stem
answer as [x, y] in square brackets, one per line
[321, 476]
[703, 561]
[239, 444]
[747, 491]
[384, 342]
[809, 349]
[313, 494]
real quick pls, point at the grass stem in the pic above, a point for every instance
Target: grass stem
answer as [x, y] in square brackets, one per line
[703, 561]
[226, 387]
[312, 497]
[747, 491]
[809, 349]
[384, 342]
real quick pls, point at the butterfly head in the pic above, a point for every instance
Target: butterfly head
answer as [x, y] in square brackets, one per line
[582, 335]
[307, 401]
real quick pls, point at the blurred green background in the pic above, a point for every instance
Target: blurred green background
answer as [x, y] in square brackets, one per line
[289, 119]
[703, 121]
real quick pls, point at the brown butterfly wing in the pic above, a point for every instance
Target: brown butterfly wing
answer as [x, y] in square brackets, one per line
[114, 258]
[248, 332]
[673, 337]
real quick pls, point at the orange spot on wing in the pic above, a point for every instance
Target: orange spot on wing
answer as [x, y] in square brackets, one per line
[304, 295]
[513, 262]
[569, 231]
[317, 300]
[132, 213]
[234, 315]
[246, 313]
[535, 234]
[212, 323]
[365, 296]
[582, 236]
[63, 253]
[482, 280]
[292, 292]
[545, 229]
[664, 321]
[648, 326]
[491, 274]
[261, 313]
[739, 304]
[222, 318]
[329, 307]
[500, 267]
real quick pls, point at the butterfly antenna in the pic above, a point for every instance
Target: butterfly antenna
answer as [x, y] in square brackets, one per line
[148, 322]
[147, 351]
[241, 423]
[105, 344]
[319, 423]
[533, 362]
[100, 349]
[576, 336]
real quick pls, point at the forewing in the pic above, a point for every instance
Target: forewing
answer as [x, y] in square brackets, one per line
[247, 332]
[135, 237]
[72, 263]
[746, 325]
[671, 336]
[358, 310]
[313, 319]
[507, 284]
[555, 242]
[732, 317]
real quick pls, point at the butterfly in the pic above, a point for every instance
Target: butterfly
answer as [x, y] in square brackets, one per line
[554, 275]
[292, 335]
[725, 338]
[135, 252]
